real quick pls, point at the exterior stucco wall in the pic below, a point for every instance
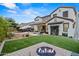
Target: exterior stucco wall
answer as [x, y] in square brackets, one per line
[46, 27]
[70, 29]
[35, 28]
[76, 34]
[49, 30]
[60, 29]
[59, 12]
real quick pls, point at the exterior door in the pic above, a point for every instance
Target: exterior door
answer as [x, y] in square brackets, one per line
[54, 30]
[44, 28]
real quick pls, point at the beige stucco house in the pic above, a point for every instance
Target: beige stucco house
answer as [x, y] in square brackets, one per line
[60, 22]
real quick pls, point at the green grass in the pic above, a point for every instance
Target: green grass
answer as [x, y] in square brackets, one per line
[60, 41]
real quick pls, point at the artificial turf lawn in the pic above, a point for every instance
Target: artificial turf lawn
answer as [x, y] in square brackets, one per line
[60, 41]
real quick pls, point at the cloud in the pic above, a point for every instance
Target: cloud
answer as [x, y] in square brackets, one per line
[32, 13]
[9, 5]
[27, 15]
[12, 11]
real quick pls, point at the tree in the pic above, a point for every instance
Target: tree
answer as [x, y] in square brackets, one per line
[13, 23]
[4, 28]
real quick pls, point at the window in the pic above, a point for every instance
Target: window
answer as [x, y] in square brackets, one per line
[54, 15]
[65, 14]
[65, 27]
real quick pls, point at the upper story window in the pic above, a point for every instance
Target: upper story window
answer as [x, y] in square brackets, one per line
[65, 14]
[54, 15]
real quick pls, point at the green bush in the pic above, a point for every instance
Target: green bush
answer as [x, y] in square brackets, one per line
[4, 26]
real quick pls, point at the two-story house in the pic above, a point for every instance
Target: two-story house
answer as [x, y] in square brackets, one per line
[62, 22]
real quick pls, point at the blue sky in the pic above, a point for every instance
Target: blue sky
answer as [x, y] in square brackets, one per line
[26, 12]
